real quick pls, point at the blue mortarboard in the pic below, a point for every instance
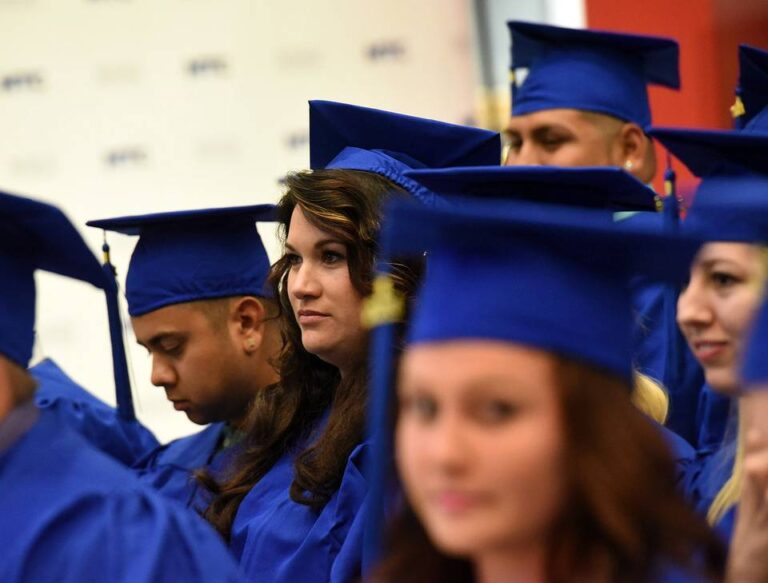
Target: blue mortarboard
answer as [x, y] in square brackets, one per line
[755, 367]
[598, 187]
[591, 70]
[752, 89]
[360, 138]
[35, 235]
[193, 255]
[552, 277]
[731, 203]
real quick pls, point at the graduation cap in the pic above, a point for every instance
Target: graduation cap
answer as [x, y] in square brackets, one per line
[35, 235]
[731, 203]
[183, 256]
[596, 187]
[597, 71]
[751, 90]
[755, 367]
[551, 277]
[351, 137]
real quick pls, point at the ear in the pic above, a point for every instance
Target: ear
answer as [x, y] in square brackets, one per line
[247, 317]
[635, 153]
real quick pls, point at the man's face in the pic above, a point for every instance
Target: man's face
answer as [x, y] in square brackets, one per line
[563, 137]
[197, 361]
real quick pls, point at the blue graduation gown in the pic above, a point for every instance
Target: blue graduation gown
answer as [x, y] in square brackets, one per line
[169, 468]
[99, 423]
[659, 350]
[712, 419]
[71, 514]
[682, 452]
[278, 540]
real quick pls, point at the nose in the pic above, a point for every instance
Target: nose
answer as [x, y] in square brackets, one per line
[447, 446]
[163, 375]
[693, 310]
[303, 283]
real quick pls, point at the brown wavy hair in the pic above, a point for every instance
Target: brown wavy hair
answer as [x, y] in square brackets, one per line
[624, 519]
[282, 419]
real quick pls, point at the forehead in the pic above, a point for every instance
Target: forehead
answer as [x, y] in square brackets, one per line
[744, 254]
[176, 318]
[302, 232]
[561, 116]
[468, 362]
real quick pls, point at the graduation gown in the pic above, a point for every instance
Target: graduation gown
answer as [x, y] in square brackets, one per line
[100, 424]
[279, 540]
[71, 514]
[169, 468]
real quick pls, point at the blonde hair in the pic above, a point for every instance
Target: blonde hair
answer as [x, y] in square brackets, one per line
[728, 496]
[650, 397]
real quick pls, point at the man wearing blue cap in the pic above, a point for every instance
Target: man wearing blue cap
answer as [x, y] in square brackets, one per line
[579, 98]
[583, 101]
[198, 304]
[69, 512]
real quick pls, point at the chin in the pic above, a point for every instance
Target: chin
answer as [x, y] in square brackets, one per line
[722, 382]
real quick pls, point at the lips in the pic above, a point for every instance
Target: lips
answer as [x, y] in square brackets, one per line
[709, 351]
[310, 317]
[456, 502]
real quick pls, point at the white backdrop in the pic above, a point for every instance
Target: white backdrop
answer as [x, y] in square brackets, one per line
[111, 107]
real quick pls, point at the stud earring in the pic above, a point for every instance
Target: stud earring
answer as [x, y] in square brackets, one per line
[250, 344]
[628, 165]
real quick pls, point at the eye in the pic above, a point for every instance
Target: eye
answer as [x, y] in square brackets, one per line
[172, 348]
[421, 407]
[292, 259]
[332, 257]
[552, 142]
[495, 411]
[723, 280]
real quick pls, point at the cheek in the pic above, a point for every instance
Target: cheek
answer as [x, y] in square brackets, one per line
[736, 313]
[407, 456]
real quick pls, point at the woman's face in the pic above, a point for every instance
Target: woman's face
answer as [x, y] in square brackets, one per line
[480, 444]
[716, 310]
[325, 303]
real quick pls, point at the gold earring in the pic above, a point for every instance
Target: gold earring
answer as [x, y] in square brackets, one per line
[250, 344]
[628, 165]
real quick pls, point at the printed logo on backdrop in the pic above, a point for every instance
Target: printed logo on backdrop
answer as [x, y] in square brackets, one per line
[126, 157]
[207, 66]
[297, 140]
[388, 50]
[21, 81]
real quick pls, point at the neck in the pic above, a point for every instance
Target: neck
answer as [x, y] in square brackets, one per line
[520, 564]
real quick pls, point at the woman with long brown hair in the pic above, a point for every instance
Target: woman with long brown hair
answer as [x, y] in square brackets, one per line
[291, 507]
[516, 442]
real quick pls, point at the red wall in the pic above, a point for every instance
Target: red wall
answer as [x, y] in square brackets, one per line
[709, 32]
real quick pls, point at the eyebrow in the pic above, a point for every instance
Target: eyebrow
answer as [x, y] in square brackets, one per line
[317, 245]
[708, 264]
[157, 339]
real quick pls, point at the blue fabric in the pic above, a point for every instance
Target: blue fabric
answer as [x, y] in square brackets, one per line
[706, 476]
[712, 416]
[731, 202]
[169, 468]
[70, 514]
[351, 137]
[278, 540]
[35, 235]
[100, 424]
[752, 86]
[598, 187]
[191, 255]
[682, 452]
[541, 275]
[755, 369]
[589, 70]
